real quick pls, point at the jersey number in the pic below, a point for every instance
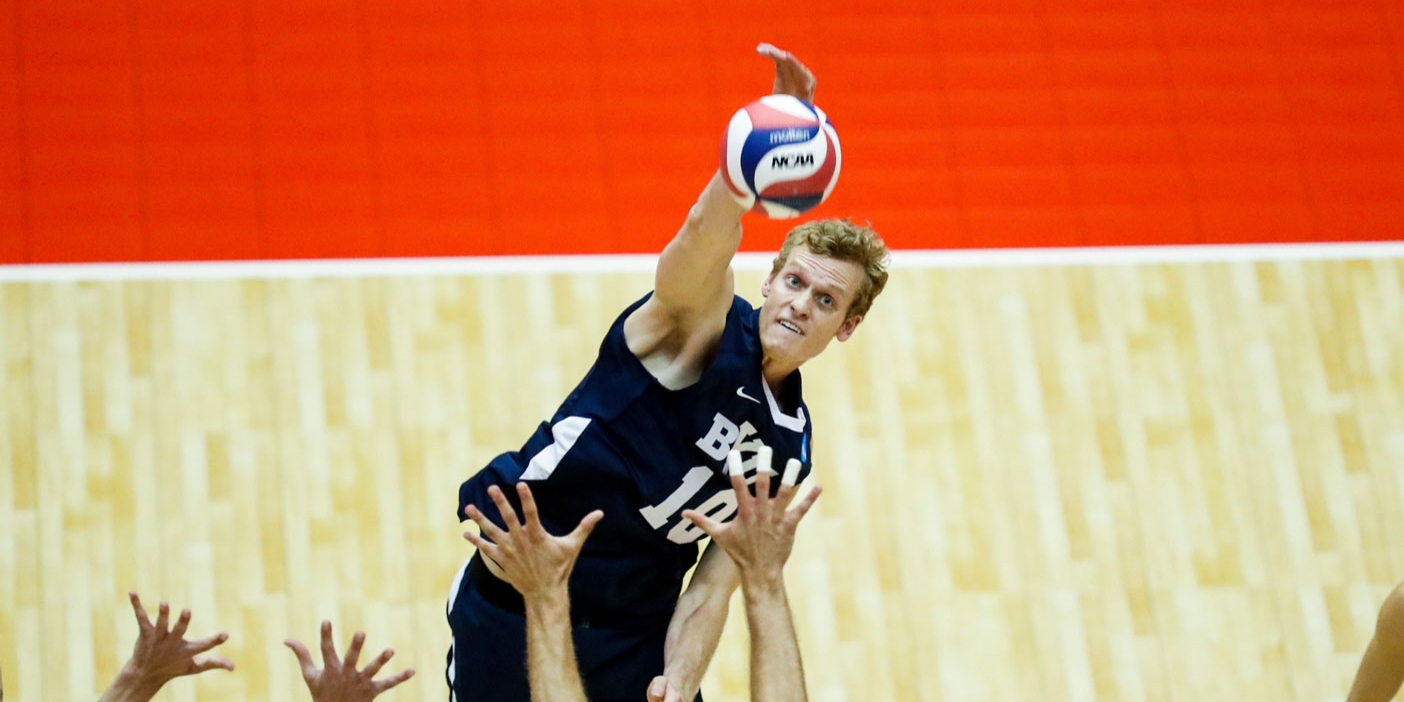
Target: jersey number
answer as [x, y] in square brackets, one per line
[723, 435]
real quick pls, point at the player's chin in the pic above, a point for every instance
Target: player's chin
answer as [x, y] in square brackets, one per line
[784, 345]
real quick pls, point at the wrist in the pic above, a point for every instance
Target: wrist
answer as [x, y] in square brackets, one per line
[763, 582]
[548, 602]
[132, 685]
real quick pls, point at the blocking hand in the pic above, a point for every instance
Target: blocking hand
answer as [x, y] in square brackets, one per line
[762, 534]
[531, 560]
[161, 655]
[339, 681]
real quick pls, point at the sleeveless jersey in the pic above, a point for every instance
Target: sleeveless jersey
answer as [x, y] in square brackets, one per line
[624, 444]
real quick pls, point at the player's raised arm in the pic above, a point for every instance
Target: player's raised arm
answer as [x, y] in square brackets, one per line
[694, 272]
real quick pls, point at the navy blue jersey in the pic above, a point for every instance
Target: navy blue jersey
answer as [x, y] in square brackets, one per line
[623, 443]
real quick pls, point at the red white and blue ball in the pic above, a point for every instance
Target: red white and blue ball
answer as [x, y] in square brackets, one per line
[780, 156]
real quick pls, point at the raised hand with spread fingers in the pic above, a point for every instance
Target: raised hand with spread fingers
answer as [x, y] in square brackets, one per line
[339, 680]
[161, 654]
[531, 560]
[759, 540]
[539, 566]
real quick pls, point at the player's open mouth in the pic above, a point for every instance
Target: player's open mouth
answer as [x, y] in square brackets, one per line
[789, 326]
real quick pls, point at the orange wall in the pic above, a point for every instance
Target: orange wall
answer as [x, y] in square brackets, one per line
[228, 129]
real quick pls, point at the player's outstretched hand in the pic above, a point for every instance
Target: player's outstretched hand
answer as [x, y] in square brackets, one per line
[339, 681]
[791, 76]
[531, 560]
[760, 537]
[162, 654]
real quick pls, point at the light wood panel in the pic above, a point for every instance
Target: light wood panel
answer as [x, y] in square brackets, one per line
[1116, 483]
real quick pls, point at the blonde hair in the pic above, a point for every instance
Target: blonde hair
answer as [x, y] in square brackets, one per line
[843, 240]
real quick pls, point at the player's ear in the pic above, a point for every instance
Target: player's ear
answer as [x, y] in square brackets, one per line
[765, 285]
[849, 326]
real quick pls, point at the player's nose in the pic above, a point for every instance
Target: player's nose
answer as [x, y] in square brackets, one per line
[799, 304]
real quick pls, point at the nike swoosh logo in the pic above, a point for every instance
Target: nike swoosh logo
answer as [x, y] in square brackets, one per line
[742, 392]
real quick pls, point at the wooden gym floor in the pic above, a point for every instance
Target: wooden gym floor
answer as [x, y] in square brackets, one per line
[1160, 482]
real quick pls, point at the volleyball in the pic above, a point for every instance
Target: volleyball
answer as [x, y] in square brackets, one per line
[780, 156]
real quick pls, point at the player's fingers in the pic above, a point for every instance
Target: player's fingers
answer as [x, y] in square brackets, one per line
[392, 681]
[791, 75]
[745, 502]
[783, 496]
[802, 508]
[528, 505]
[207, 643]
[487, 548]
[377, 663]
[792, 471]
[304, 657]
[329, 658]
[736, 469]
[734, 466]
[763, 500]
[212, 663]
[509, 515]
[587, 525]
[702, 521]
[763, 459]
[143, 621]
[163, 619]
[485, 524]
[353, 652]
[182, 623]
[657, 689]
[787, 490]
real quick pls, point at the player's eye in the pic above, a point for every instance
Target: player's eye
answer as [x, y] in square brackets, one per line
[792, 280]
[826, 301]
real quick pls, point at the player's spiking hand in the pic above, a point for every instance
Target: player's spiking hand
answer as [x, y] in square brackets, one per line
[338, 680]
[791, 76]
[531, 560]
[161, 655]
[760, 537]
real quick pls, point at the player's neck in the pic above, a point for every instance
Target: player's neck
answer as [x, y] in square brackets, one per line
[775, 374]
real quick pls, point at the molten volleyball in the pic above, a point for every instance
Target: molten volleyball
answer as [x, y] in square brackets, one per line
[780, 156]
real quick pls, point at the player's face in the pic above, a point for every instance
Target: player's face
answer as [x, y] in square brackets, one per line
[806, 305]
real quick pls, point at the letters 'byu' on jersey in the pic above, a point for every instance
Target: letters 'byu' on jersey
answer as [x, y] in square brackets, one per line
[623, 443]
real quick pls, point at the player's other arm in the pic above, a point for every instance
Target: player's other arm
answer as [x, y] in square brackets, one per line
[693, 283]
[759, 540]
[696, 627]
[1382, 669]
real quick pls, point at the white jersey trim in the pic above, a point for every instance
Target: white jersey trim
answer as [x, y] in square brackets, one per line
[565, 432]
[795, 423]
[452, 671]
